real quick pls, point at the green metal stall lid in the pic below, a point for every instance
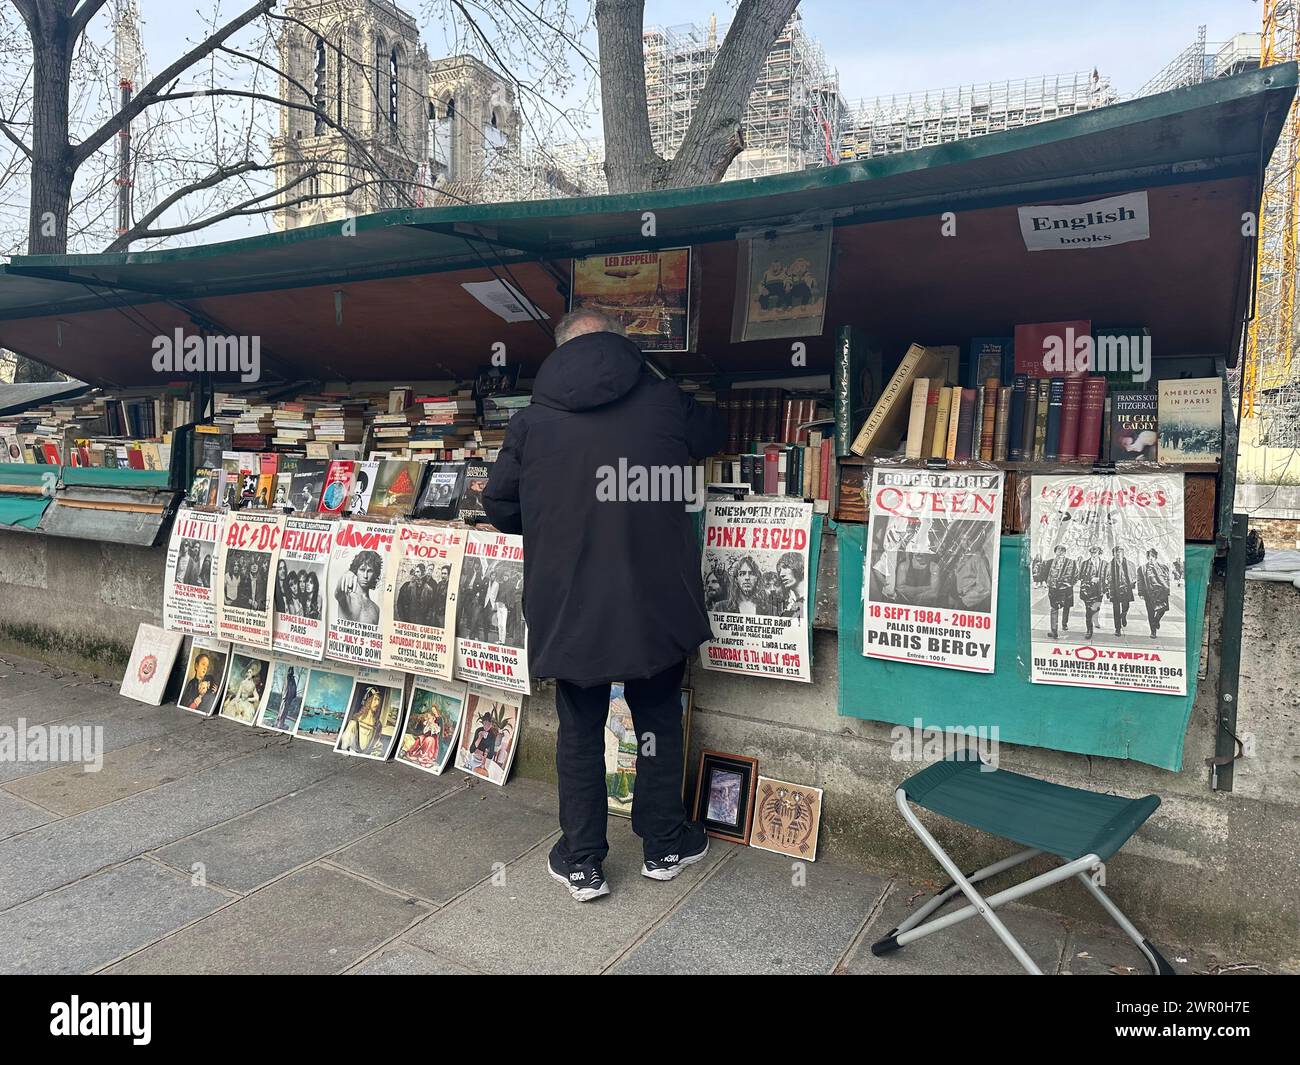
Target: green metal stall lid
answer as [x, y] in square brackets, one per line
[1220, 127]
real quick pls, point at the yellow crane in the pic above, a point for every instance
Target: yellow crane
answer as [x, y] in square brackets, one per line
[1270, 338]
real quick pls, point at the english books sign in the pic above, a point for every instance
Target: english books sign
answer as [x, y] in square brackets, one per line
[1095, 224]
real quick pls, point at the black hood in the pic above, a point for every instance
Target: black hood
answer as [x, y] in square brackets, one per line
[588, 371]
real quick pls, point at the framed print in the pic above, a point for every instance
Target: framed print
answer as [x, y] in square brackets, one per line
[432, 724]
[621, 749]
[787, 818]
[724, 795]
[648, 291]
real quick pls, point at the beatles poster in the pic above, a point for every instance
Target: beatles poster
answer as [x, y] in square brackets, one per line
[356, 586]
[648, 291]
[491, 637]
[930, 586]
[300, 586]
[243, 574]
[755, 568]
[418, 618]
[781, 285]
[1108, 595]
[188, 601]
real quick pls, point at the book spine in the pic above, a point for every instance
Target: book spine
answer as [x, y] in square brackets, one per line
[977, 430]
[827, 465]
[916, 418]
[1090, 419]
[966, 425]
[1016, 419]
[1002, 423]
[939, 428]
[1028, 430]
[954, 419]
[1071, 408]
[1040, 423]
[1055, 401]
[880, 412]
[988, 419]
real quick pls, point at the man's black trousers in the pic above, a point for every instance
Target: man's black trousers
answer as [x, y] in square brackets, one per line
[658, 815]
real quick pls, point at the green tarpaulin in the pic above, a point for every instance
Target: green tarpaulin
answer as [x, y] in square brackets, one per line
[1117, 724]
[22, 510]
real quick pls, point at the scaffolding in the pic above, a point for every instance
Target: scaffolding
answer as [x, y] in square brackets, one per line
[901, 122]
[792, 118]
[1201, 61]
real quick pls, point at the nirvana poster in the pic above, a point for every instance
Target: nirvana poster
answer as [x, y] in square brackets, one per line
[1107, 601]
[418, 618]
[930, 587]
[755, 567]
[188, 601]
[300, 586]
[249, 555]
[356, 582]
[491, 638]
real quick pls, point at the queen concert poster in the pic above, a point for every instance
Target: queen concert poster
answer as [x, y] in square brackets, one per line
[755, 569]
[1108, 593]
[188, 603]
[300, 586]
[418, 616]
[930, 586]
[356, 586]
[491, 637]
[244, 574]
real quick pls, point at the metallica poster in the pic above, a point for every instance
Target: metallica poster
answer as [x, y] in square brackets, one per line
[1108, 594]
[243, 576]
[358, 559]
[755, 568]
[491, 637]
[930, 586]
[188, 601]
[418, 617]
[300, 587]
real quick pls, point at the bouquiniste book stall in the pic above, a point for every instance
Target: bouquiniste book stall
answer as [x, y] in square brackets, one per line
[1020, 441]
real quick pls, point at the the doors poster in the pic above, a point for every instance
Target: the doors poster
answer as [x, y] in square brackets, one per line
[491, 638]
[755, 569]
[188, 601]
[243, 575]
[1107, 601]
[300, 587]
[648, 291]
[419, 606]
[930, 587]
[356, 587]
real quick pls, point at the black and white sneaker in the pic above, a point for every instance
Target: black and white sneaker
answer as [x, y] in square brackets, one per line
[585, 882]
[670, 865]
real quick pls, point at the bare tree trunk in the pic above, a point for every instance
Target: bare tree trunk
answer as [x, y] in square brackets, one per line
[717, 131]
[631, 163]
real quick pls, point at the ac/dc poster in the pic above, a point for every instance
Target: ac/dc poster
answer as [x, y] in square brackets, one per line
[243, 575]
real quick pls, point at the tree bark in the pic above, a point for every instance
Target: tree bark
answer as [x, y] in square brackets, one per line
[631, 162]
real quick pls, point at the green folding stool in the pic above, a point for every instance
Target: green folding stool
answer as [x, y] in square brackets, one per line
[1080, 827]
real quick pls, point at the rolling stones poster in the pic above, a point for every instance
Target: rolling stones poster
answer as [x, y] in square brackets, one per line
[244, 574]
[1108, 592]
[930, 586]
[300, 587]
[189, 604]
[755, 569]
[491, 637]
[648, 291]
[418, 618]
[356, 586]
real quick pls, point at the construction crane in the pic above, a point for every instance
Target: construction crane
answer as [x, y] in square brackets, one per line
[1270, 338]
[127, 52]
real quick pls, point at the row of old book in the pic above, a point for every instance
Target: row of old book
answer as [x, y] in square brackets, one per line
[795, 470]
[756, 416]
[377, 488]
[69, 450]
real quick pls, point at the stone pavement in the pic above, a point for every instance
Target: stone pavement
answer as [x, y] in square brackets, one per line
[207, 846]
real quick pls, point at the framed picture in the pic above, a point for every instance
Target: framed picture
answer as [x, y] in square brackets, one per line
[205, 676]
[621, 749]
[724, 795]
[648, 291]
[787, 818]
[432, 724]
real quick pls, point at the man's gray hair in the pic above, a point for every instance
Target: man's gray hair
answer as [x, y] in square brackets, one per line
[586, 320]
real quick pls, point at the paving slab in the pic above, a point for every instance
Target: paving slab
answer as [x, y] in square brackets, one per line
[967, 949]
[123, 723]
[440, 852]
[251, 850]
[751, 917]
[1096, 951]
[538, 928]
[178, 753]
[94, 921]
[318, 920]
[48, 857]
[17, 816]
[402, 959]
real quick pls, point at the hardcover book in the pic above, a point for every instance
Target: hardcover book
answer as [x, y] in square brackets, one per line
[1035, 343]
[1191, 419]
[884, 426]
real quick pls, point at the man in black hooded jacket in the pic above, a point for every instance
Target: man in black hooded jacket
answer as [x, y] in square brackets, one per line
[612, 588]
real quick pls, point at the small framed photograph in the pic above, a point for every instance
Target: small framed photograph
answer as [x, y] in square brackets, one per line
[724, 795]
